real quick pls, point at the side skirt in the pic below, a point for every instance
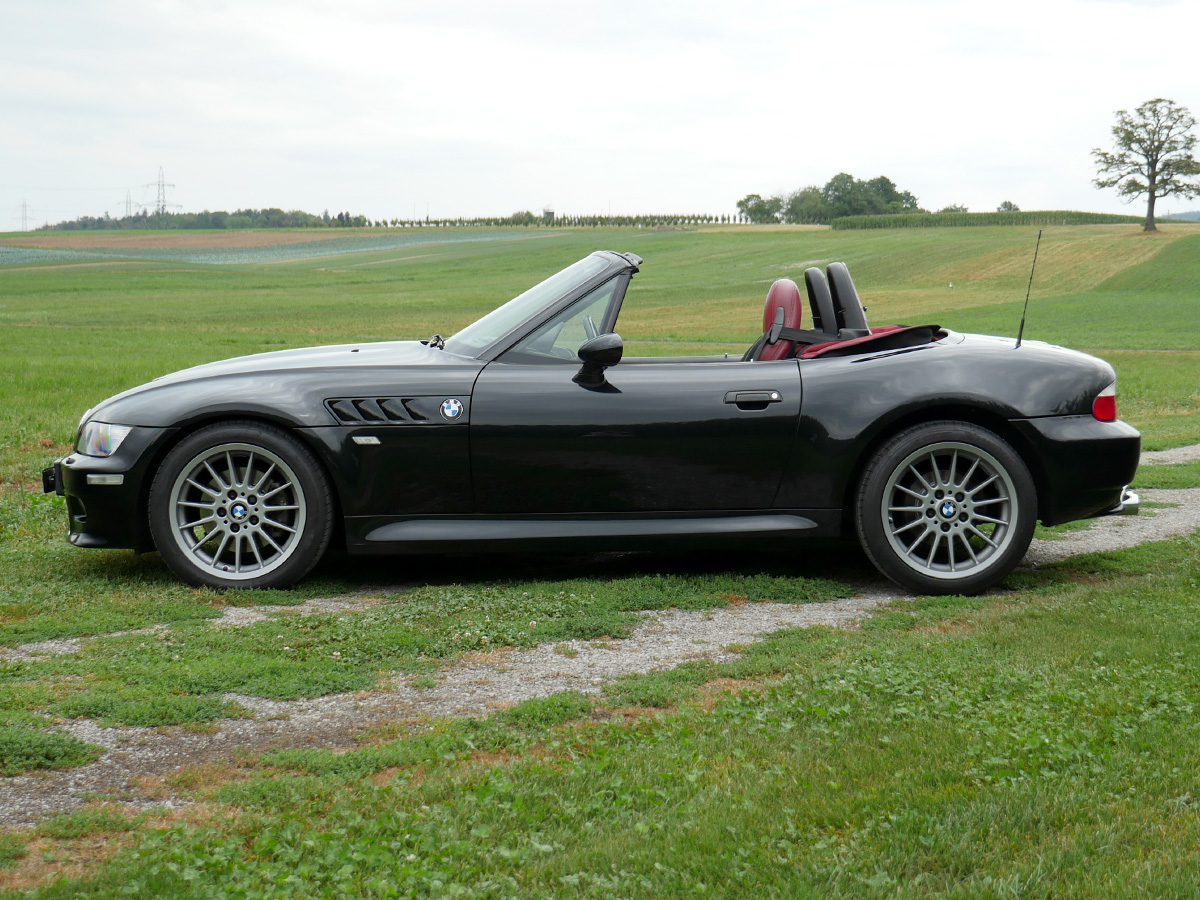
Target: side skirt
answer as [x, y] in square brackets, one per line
[410, 534]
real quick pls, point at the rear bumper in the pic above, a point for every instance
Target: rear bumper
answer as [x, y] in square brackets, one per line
[1086, 466]
[1128, 506]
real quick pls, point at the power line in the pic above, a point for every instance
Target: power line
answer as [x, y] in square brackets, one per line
[70, 190]
[161, 206]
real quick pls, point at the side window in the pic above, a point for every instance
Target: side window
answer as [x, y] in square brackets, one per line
[559, 339]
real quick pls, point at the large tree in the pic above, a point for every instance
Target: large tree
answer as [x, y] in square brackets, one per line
[760, 210]
[894, 201]
[842, 195]
[806, 206]
[1153, 155]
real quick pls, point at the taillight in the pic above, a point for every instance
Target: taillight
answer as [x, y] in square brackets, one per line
[1104, 407]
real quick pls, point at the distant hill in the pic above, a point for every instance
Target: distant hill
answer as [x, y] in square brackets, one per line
[1194, 215]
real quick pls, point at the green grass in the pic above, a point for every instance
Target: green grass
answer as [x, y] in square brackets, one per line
[81, 333]
[1160, 393]
[1169, 477]
[1042, 743]
[1149, 305]
[12, 851]
[84, 823]
[23, 749]
[1038, 743]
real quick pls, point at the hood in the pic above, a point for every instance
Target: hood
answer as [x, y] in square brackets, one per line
[382, 353]
[291, 384]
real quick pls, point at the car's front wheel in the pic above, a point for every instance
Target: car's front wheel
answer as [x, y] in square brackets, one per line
[946, 508]
[241, 505]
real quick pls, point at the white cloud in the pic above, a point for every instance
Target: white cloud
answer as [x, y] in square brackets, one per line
[484, 108]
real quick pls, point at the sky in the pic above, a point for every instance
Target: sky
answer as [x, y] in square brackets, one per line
[406, 108]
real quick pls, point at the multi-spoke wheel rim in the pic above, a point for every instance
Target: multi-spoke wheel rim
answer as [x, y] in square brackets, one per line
[237, 511]
[950, 510]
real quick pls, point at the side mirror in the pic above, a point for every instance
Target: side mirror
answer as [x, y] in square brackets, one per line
[598, 354]
[603, 350]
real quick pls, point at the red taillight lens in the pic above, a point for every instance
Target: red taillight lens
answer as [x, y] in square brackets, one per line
[1104, 407]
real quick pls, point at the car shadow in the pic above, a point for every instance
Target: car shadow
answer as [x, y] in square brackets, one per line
[836, 561]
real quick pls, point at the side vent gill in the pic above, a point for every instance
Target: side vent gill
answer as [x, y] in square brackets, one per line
[374, 411]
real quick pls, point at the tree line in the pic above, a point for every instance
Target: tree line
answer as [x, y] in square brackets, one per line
[278, 218]
[841, 197]
[241, 218]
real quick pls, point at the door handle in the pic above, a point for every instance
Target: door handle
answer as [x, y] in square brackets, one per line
[752, 400]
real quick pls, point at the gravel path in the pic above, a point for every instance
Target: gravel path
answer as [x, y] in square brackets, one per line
[1118, 532]
[138, 758]
[1177, 455]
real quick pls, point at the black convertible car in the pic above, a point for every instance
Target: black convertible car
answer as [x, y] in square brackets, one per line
[528, 429]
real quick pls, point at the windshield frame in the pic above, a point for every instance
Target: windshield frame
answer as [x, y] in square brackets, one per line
[613, 263]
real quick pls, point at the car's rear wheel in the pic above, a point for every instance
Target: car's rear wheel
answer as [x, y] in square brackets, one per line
[240, 505]
[946, 508]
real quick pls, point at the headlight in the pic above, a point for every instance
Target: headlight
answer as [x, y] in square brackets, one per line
[101, 438]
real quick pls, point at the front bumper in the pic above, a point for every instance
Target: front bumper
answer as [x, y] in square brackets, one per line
[105, 500]
[52, 479]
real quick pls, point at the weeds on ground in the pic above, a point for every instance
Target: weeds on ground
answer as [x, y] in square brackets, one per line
[1026, 739]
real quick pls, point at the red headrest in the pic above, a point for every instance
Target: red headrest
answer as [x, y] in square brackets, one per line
[785, 294]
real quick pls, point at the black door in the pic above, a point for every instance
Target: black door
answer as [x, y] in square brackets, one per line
[655, 435]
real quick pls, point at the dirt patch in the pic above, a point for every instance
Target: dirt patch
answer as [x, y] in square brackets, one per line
[384, 778]
[711, 692]
[945, 628]
[195, 778]
[177, 240]
[49, 860]
[240, 616]
[630, 712]
[495, 657]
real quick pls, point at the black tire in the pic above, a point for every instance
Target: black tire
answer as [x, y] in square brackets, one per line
[240, 505]
[946, 508]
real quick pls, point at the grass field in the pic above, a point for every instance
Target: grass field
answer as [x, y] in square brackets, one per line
[1037, 743]
[76, 333]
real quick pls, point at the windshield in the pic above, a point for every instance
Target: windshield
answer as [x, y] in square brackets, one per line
[481, 334]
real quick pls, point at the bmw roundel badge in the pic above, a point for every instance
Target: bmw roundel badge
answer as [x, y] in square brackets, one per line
[451, 409]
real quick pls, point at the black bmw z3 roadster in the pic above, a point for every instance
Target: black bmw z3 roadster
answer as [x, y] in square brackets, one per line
[530, 429]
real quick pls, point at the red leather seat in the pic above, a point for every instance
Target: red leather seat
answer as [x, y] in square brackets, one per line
[785, 295]
[839, 321]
